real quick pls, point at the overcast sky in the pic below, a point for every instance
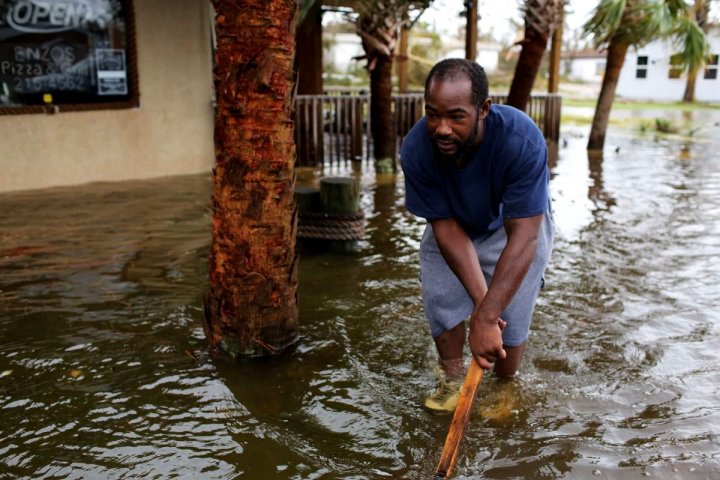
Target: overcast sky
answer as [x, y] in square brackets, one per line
[496, 16]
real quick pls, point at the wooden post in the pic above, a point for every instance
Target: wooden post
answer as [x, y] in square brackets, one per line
[307, 199]
[555, 51]
[357, 115]
[339, 195]
[402, 60]
[338, 223]
[471, 30]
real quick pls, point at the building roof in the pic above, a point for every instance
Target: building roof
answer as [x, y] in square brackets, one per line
[585, 53]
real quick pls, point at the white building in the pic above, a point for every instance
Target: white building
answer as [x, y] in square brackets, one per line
[585, 65]
[487, 53]
[344, 47]
[648, 73]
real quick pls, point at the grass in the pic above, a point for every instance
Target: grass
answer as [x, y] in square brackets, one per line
[623, 104]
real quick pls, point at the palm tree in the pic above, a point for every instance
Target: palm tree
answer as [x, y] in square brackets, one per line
[701, 10]
[542, 17]
[618, 24]
[309, 53]
[378, 22]
[251, 307]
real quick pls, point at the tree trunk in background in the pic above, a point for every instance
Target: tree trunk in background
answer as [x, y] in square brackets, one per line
[701, 10]
[309, 67]
[309, 54]
[555, 56]
[379, 23]
[251, 308]
[689, 95]
[382, 120]
[533, 48]
[471, 29]
[542, 17]
[615, 59]
[402, 60]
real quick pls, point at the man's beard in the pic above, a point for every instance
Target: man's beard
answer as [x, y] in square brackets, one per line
[461, 157]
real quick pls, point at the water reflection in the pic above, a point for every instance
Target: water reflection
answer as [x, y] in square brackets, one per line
[597, 194]
[104, 371]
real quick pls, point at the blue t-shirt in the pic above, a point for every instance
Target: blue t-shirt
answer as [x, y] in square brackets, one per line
[507, 176]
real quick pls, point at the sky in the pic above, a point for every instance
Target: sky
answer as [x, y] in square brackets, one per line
[496, 15]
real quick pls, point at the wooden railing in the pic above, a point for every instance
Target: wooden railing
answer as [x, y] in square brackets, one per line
[335, 127]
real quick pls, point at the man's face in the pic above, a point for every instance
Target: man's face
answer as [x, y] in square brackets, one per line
[454, 123]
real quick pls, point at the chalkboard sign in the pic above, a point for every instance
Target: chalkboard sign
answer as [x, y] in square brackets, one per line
[66, 52]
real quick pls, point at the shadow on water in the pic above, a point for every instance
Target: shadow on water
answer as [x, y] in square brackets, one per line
[104, 371]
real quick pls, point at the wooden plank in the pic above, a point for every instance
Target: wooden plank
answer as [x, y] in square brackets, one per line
[450, 450]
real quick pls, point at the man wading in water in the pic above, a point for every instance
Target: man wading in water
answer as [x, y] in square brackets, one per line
[478, 174]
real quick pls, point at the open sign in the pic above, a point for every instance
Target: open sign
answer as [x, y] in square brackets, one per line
[72, 51]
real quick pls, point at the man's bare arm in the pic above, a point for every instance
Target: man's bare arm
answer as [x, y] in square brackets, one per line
[510, 270]
[459, 253]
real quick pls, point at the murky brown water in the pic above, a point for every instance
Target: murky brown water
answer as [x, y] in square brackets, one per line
[104, 372]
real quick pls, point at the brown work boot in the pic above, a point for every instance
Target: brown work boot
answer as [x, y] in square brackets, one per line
[446, 395]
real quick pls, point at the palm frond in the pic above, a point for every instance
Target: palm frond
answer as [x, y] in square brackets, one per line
[605, 21]
[691, 40]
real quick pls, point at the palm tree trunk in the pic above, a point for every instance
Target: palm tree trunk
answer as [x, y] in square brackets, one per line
[615, 59]
[471, 29]
[689, 95]
[251, 308]
[382, 121]
[309, 54]
[309, 68]
[701, 10]
[526, 69]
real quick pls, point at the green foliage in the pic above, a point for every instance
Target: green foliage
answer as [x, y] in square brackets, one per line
[690, 38]
[664, 126]
[637, 22]
[605, 21]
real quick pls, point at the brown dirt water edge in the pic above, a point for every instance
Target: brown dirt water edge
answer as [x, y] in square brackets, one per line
[104, 371]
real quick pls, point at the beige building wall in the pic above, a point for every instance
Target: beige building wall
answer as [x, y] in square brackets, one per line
[170, 133]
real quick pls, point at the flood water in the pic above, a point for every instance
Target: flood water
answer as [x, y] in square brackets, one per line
[104, 371]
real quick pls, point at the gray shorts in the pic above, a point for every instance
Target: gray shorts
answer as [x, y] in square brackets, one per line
[447, 303]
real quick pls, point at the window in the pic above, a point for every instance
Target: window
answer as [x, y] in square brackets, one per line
[600, 68]
[67, 55]
[711, 67]
[642, 66]
[676, 66]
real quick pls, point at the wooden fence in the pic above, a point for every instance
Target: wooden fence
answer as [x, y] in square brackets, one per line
[335, 127]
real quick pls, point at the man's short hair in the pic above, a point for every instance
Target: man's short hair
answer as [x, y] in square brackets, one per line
[458, 69]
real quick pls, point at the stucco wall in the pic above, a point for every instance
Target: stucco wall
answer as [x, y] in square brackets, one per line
[170, 133]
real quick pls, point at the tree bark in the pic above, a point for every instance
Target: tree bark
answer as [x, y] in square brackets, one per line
[309, 54]
[309, 67]
[689, 95]
[526, 69]
[701, 10]
[615, 59]
[382, 121]
[555, 55]
[251, 308]
[471, 30]
[402, 60]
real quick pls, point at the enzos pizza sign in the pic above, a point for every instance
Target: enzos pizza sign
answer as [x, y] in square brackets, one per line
[65, 52]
